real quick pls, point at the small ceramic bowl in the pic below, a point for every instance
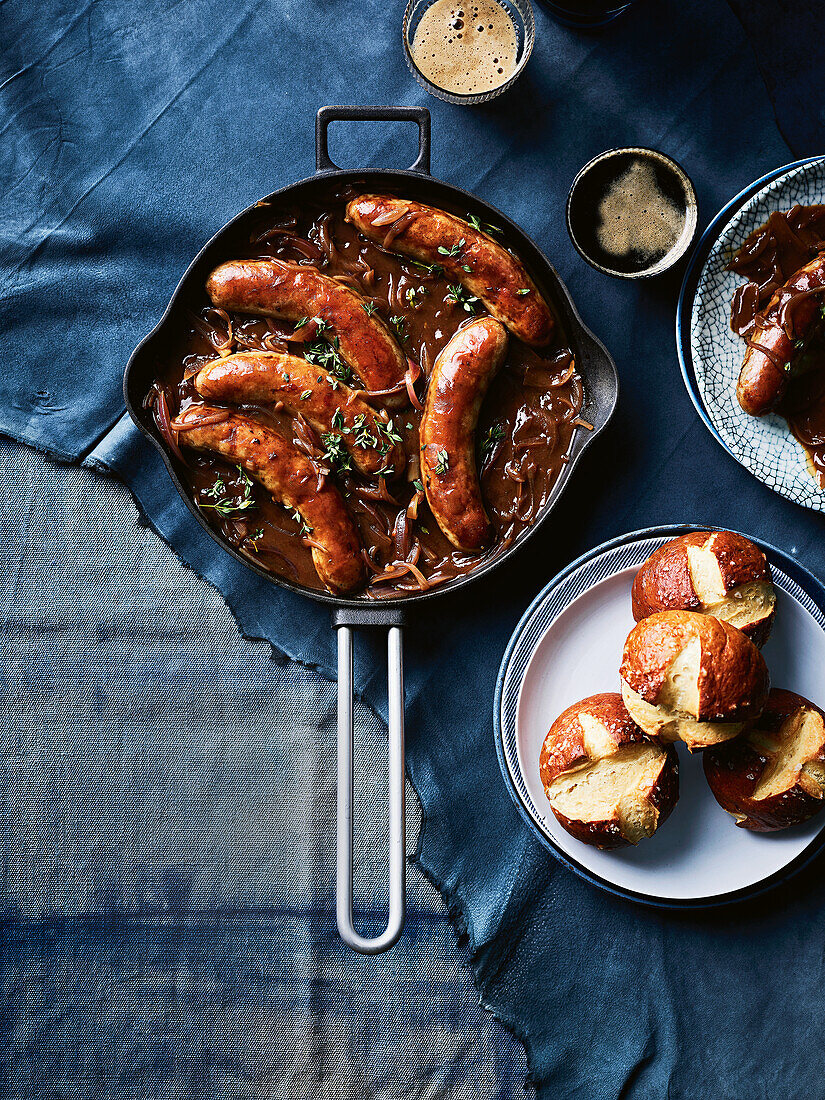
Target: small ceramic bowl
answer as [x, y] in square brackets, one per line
[521, 13]
[631, 177]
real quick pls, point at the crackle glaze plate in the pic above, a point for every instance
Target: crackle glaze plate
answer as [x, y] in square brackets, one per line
[568, 646]
[763, 445]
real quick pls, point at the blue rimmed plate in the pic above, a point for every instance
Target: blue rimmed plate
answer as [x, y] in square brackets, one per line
[567, 646]
[763, 445]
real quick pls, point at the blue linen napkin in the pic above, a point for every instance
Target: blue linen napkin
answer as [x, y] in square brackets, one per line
[132, 133]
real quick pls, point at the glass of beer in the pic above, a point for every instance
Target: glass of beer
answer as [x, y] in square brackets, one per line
[586, 14]
[632, 212]
[468, 52]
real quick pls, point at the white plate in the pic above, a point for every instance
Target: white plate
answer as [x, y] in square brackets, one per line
[568, 646]
[764, 445]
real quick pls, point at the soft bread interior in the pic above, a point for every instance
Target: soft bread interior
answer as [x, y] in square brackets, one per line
[671, 725]
[743, 606]
[680, 690]
[791, 754]
[746, 605]
[705, 574]
[614, 788]
[597, 738]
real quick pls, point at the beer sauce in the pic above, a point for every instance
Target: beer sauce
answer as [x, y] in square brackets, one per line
[524, 433]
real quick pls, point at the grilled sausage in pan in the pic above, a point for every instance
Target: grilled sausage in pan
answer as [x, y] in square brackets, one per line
[294, 480]
[781, 331]
[460, 378]
[468, 256]
[259, 377]
[292, 292]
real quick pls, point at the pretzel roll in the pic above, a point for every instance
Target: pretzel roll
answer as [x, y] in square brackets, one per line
[717, 573]
[607, 783]
[692, 678]
[773, 776]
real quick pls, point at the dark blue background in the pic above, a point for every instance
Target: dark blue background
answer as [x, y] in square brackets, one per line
[132, 131]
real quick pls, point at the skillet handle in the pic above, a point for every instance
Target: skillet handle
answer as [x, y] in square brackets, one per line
[372, 114]
[343, 622]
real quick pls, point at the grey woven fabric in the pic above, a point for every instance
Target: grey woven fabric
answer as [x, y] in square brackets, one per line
[167, 813]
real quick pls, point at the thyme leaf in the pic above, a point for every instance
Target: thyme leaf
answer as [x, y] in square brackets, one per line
[335, 452]
[453, 251]
[326, 355]
[461, 297]
[225, 505]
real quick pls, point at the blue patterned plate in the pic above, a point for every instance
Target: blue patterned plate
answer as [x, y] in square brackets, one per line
[687, 292]
[568, 646]
[763, 445]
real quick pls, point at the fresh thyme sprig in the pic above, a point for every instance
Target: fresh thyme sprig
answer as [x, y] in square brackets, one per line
[335, 452]
[225, 505]
[436, 270]
[482, 227]
[453, 250]
[299, 519]
[493, 436]
[461, 297]
[326, 355]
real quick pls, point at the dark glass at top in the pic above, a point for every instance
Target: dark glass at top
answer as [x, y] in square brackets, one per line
[586, 13]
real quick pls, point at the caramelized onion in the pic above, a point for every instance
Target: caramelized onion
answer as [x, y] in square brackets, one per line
[302, 247]
[397, 569]
[275, 231]
[191, 419]
[411, 376]
[163, 420]
[390, 218]
[398, 227]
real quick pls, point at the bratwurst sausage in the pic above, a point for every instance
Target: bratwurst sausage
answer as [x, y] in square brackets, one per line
[460, 378]
[293, 292]
[259, 377]
[780, 333]
[468, 256]
[295, 481]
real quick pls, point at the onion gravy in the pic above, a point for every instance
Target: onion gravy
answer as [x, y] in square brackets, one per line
[770, 256]
[524, 432]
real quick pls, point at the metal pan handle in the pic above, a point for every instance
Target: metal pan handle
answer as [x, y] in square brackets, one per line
[326, 115]
[344, 621]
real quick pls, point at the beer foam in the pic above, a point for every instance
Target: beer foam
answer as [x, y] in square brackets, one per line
[637, 217]
[466, 48]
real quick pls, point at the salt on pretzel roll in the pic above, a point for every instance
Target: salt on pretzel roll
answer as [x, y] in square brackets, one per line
[717, 573]
[773, 776]
[692, 678]
[607, 783]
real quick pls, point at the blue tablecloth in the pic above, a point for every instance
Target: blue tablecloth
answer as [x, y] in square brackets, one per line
[132, 132]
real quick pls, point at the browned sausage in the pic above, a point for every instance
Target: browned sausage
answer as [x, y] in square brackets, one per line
[295, 481]
[460, 378]
[468, 256]
[292, 292]
[259, 377]
[781, 329]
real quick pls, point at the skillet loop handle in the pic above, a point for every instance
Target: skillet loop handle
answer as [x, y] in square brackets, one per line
[419, 115]
[397, 860]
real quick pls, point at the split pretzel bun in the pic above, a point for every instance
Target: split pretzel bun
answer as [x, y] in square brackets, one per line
[607, 783]
[774, 775]
[692, 678]
[716, 573]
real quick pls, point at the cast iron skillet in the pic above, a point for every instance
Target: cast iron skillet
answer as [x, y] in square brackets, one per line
[598, 373]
